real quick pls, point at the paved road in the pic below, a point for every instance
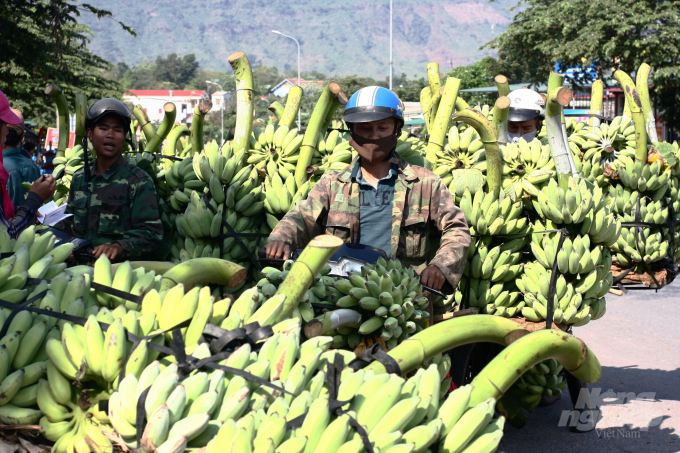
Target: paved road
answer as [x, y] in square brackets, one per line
[638, 345]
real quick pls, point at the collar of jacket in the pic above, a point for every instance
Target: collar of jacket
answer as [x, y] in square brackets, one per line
[403, 168]
[109, 171]
[11, 152]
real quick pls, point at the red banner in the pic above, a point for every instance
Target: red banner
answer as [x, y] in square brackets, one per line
[53, 137]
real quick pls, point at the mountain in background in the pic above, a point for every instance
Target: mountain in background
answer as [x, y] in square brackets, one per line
[337, 38]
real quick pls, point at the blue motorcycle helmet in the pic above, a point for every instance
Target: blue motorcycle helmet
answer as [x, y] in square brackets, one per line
[374, 104]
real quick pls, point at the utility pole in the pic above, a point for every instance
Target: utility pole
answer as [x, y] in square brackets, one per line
[391, 44]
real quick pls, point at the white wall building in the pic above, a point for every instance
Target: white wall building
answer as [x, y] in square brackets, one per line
[152, 101]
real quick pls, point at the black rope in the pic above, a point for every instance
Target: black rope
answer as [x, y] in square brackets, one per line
[156, 155]
[375, 353]
[16, 310]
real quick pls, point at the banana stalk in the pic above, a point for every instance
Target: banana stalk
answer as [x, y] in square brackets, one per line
[81, 113]
[244, 101]
[290, 111]
[144, 123]
[303, 271]
[159, 267]
[502, 85]
[499, 375]
[642, 85]
[170, 112]
[171, 145]
[63, 114]
[635, 106]
[443, 336]
[558, 96]
[435, 83]
[332, 320]
[440, 125]
[461, 104]
[277, 109]
[596, 99]
[494, 158]
[500, 118]
[312, 132]
[336, 102]
[205, 270]
[202, 109]
[426, 105]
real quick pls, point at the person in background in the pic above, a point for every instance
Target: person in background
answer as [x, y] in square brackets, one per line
[526, 115]
[113, 202]
[20, 168]
[30, 150]
[48, 156]
[25, 215]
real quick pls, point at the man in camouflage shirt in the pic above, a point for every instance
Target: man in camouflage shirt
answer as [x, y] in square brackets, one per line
[118, 210]
[404, 204]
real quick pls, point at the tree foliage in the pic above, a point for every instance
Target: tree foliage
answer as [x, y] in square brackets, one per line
[43, 42]
[614, 34]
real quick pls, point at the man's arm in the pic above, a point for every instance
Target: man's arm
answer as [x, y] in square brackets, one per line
[455, 242]
[147, 231]
[306, 220]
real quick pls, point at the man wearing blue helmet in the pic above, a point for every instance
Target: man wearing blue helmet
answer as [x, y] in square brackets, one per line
[380, 200]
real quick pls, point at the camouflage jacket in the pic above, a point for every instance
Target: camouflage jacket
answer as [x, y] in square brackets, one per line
[422, 205]
[122, 207]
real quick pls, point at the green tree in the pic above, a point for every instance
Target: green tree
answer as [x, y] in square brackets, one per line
[615, 34]
[408, 90]
[175, 71]
[43, 43]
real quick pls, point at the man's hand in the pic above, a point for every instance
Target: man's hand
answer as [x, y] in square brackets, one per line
[112, 251]
[44, 187]
[279, 250]
[432, 277]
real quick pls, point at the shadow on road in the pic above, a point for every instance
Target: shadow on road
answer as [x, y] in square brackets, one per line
[665, 384]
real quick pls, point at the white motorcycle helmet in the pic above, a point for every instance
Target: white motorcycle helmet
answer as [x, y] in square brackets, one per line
[525, 105]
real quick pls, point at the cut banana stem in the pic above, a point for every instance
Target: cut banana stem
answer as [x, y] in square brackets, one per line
[435, 84]
[81, 112]
[169, 114]
[277, 109]
[202, 109]
[306, 267]
[502, 85]
[144, 123]
[558, 96]
[642, 84]
[64, 117]
[332, 320]
[170, 148]
[499, 375]
[312, 133]
[290, 112]
[159, 267]
[596, 100]
[635, 106]
[500, 118]
[440, 125]
[244, 101]
[494, 158]
[336, 102]
[204, 270]
[413, 352]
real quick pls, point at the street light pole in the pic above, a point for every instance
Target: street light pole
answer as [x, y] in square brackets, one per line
[298, 47]
[221, 107]
[390, 44]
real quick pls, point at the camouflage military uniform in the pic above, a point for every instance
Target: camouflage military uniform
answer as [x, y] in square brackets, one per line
[121, 207]
[422, 204]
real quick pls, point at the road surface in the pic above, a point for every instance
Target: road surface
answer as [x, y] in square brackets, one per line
[638, 345]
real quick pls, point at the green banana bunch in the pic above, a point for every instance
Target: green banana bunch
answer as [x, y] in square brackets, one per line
[413, 149]
[576, 256]
[644, 246]
[463, 150]
[489, 215]
[646, 178]
[543, 379]
[493, 298]
[333, 152]
[72, 161]
[607, 142]
[527, 167]
[282, 196]
[275, 145]
[577, 302]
